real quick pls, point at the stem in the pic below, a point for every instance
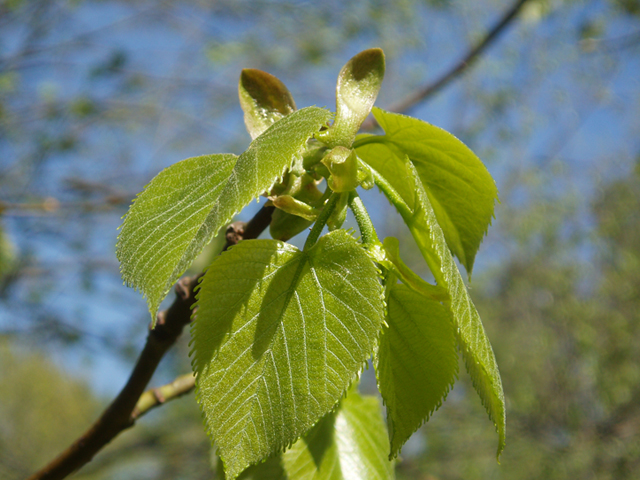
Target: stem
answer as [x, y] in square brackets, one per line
[158, 396]
[393, 196]
[127, 406]
[325, 196]
[321, 221]
[369, 139]
[367, 230]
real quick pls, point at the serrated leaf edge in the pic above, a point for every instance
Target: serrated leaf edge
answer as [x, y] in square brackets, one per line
[178, 271]
[297, 156]
[355, 377]
[468, 263]
[403, 209]
[450, 385]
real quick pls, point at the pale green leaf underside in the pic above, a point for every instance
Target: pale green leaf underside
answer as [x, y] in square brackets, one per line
[405, 190]
[358, 85]
[278, 337]
[417, 362]
[460, 189]
[348, 444]
[163, 230]
[266, 159]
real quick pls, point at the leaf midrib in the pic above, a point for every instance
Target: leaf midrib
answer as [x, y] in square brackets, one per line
[279, 328]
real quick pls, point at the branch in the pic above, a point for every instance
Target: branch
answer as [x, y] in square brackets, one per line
[158, 396]
[472, 55]
[131, 402]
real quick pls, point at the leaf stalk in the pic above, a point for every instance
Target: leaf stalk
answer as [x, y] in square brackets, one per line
[367, 230]
[321, 221]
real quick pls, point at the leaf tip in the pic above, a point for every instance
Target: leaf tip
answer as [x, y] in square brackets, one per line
[368, 62]
[501, 445]
[266, 90]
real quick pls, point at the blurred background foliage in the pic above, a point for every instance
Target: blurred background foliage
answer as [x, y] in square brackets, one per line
[98, 96]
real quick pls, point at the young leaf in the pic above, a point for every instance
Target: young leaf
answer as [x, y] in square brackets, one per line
[265, 161]
[350, 443]
[347, 444]
[458, 185]
[284, 226]
[163, 230]
[342, 163]
[417, 361]
[292, 205]
[404, 189]
[278, 337]
[264, 100]
[358, 85]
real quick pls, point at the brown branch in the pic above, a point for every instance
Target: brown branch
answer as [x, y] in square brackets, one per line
[471, 56]
[122, 413]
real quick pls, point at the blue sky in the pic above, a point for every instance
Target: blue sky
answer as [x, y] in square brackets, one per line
[541, 100]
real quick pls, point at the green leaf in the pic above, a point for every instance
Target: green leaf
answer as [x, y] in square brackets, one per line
[342, 163]
[458, 185]
[278, 337]
[270, 469]
[292, 205]
[358, 85]
[348, 444]
[264, 100]
[284, 226]
[265, 161]
[417, 361]
[166, 226]
[405, 191]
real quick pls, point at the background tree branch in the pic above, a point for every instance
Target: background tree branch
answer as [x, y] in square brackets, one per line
[471, 56]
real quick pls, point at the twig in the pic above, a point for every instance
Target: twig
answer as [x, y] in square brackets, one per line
[155, 397]
[472, 55]
[131, 402]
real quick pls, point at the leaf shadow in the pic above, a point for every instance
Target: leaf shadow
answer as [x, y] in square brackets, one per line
[274, 304]
[214, 332]
[320, 439]
[271, 468]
